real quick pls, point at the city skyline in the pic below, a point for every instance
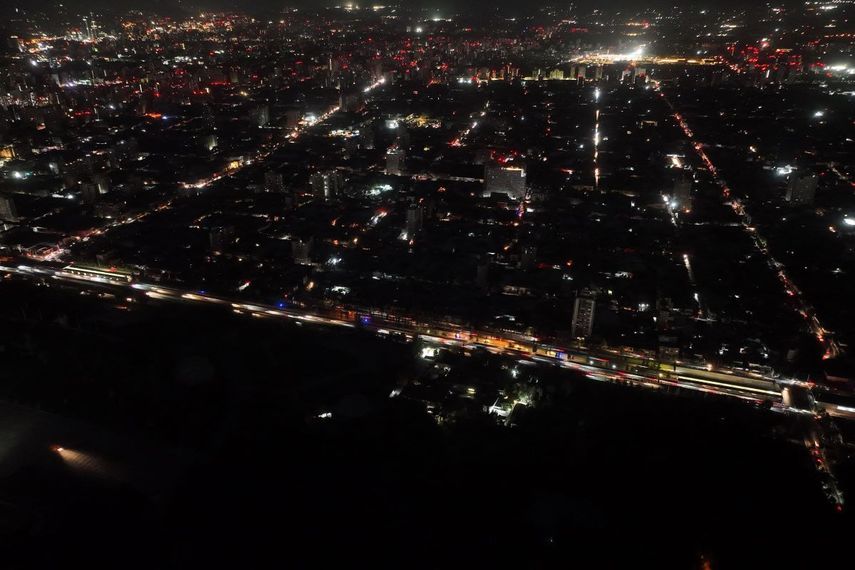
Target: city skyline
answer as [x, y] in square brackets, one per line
[491, 284]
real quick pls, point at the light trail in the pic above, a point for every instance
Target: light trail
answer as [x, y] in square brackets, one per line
[617, 366]
[596, 138]
[459, 140]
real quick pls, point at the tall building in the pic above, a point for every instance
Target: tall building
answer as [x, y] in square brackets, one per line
[7, 152]
[801, 190]
[209, 117]
[261, 115]
[301, 250]
[664, 314]
[8, 211]
[273, 182]
[208, 142]
[327, 185]
[509, 180]
[350, 102]
[89, 192]
[414, 220]
[292, 118]
[366, 137]
[102, 181]
[583, 317]
[482, 274]
[682, 194]
[395, 158]
[528, 256]
[221, 236]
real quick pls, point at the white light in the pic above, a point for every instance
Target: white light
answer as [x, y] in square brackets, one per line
[429, 352]
[819, 114]
[849, 221]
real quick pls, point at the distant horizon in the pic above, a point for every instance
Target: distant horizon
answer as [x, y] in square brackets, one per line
[267, 6]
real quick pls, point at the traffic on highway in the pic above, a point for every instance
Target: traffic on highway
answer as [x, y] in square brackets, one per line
[596, 363]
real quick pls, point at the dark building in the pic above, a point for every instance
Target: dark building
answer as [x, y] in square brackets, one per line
[801, 189]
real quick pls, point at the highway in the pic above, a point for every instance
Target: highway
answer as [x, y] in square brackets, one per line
[620, 366]
[785, 395]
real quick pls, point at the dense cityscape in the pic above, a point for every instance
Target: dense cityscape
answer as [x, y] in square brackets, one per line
[427, 286]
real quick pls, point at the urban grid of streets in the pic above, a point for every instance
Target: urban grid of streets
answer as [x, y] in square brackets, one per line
[615, 366]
